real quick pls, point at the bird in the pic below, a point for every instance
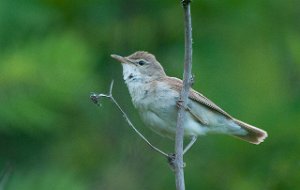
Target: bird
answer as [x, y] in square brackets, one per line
[156, 97]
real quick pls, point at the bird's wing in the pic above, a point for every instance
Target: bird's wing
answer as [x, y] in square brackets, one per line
[196, 96]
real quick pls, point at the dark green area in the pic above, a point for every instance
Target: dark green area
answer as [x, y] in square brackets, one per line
[53, 53]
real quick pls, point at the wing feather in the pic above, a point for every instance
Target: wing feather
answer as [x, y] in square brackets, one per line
[196, 96]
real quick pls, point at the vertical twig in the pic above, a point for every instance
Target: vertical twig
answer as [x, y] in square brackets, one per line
[178, 163]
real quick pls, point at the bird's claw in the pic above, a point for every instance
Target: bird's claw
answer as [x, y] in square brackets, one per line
[179, 104]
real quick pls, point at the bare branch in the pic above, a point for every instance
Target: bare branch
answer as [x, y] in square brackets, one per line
[95, 99]
[187, 76]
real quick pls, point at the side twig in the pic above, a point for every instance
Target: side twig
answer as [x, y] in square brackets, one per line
[96, 97]
[187, 76]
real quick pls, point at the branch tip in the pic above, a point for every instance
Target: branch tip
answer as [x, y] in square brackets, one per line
[95, 98]
[185, 2]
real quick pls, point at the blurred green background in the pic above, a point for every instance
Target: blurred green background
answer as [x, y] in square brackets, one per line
[55, 52]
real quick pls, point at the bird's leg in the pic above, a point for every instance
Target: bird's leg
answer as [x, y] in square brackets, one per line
[193, 140]
[179, 103]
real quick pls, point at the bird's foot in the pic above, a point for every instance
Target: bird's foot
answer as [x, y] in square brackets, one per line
[179, 104]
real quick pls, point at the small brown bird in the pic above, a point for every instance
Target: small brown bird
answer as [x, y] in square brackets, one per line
[155, 95]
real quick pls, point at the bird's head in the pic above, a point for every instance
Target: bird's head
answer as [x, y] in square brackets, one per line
[140, 65]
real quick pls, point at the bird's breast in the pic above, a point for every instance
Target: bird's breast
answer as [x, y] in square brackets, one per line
[139, 93]
[152, 95]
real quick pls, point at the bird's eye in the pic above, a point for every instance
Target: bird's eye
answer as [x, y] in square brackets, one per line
[141, 62]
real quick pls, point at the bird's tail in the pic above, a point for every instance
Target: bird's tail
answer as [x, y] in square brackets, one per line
[254, 135]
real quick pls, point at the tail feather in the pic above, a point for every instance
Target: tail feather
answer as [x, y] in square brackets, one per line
[254, 135]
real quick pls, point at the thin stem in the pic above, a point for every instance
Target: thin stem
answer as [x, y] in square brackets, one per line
[193, 140]
[178, 163]
[95, 98]
[140, 134]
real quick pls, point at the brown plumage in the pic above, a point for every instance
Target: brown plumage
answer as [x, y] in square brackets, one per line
[143, 55]
[255, 135]
[143, 74]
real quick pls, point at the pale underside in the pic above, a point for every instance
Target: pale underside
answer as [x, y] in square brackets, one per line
[157, 105]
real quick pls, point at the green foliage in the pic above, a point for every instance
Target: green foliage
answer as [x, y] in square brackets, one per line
[49, 179]
[39, 81]
[55, 52]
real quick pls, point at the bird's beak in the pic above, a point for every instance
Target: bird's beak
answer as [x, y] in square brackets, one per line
[119, 58]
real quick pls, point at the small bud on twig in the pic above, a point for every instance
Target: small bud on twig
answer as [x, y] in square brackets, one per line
[95, 99]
